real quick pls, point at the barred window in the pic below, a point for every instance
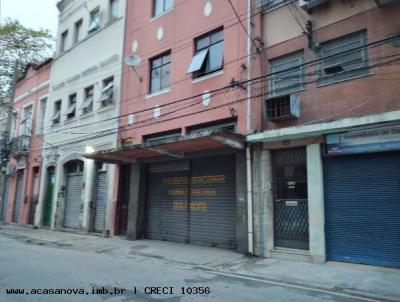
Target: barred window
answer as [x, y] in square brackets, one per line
[287, 74]
[351, 60]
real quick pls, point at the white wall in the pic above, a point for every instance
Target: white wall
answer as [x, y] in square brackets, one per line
[96, 57]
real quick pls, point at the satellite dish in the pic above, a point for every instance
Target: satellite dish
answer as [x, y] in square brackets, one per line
[133, 60]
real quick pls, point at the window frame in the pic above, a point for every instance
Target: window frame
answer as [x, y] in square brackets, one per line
[57, 112]
[112, 17]
[161, 68]
[339, 73]
[89, 108]
[94, 14]
[203, 70]
[63, 42]
[164, 9]
[72, 99]
[286, 59]
[110, 100]
[78, 25]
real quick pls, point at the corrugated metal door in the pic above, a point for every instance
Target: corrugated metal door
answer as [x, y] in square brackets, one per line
[362, 204]
[213, 201]
[100, 201]
[193, 202]
[19, 195]
[5, 198]
[167, 216]
[73, 200]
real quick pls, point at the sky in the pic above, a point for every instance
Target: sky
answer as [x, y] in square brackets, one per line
[31, 13]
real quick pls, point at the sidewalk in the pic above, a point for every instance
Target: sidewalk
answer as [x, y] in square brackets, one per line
[368, 281]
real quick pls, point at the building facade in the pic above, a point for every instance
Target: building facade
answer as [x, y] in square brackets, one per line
[22, 172]
[84, 96]
[181, 152]
[326, 158]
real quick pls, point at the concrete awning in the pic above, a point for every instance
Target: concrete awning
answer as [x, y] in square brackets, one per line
[172, 147]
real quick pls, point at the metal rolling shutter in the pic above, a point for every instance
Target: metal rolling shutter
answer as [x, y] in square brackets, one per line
[362, 205]
[19, 192]
[73, 200]
[213, 201]
[167, 217]
[101, 197]
[5, 198]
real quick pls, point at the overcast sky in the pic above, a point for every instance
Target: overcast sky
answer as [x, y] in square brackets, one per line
[31, 13]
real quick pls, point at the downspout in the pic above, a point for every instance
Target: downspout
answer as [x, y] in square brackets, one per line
[249, 130]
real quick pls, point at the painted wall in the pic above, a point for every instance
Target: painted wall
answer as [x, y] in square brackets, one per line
[176, 30]
[29, 91]
[96, 57]
[377, 92]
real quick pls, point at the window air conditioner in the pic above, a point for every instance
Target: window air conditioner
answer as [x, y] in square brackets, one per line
[309, 4]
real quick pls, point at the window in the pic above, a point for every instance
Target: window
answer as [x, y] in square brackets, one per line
[57, 112]
[114, 9]
[42, 115]
[269, 4]
[27, 121]
[64, 37]
[160, 72]
[87, 105]
[107, 93]
[78, 31]
[209, 54]
[71, 110]
[283, 107]
[160, 6]
[94, 23]
[287, 74]
[343, 66]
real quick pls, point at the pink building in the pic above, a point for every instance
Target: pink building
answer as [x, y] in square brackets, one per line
[24, 168]
[181, 154]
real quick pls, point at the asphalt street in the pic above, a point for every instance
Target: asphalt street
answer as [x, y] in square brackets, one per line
[42, 272]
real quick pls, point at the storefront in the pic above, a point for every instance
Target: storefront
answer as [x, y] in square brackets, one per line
[188, 189]
[362, 196]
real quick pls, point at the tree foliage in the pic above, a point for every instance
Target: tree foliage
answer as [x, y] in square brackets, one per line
[23, 44]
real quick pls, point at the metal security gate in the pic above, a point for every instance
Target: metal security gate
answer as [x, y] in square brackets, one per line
[290, 198]
[73, 199]
[19, 195]
[362, 206]
[5, 198]
[193, 201]
[99, 211]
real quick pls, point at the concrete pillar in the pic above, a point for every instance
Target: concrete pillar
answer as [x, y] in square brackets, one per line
[268, 202]
[89, 181]
[58, 198]
[241, 204]
[42, 195]
[315, 187]
[135, 207]
[112, 179]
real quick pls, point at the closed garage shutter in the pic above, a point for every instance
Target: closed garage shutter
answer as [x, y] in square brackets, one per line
[362, 205]
[19, 195]
[193, 202]
[213, 202]
[73, 200]
[167, 217]
[5, 198]
[100, 203]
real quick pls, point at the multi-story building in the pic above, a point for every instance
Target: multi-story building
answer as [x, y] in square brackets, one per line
[326, 162]
[181, 154]
[84, 96]
[23, 170]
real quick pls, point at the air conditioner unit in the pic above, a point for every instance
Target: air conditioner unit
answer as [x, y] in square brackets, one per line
[309, 4]
[382, 3]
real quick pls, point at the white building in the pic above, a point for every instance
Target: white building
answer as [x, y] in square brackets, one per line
[83, 101]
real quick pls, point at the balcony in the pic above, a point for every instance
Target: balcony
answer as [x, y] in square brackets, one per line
[20, 145]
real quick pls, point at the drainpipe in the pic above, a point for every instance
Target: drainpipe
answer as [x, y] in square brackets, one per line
[249, 130]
